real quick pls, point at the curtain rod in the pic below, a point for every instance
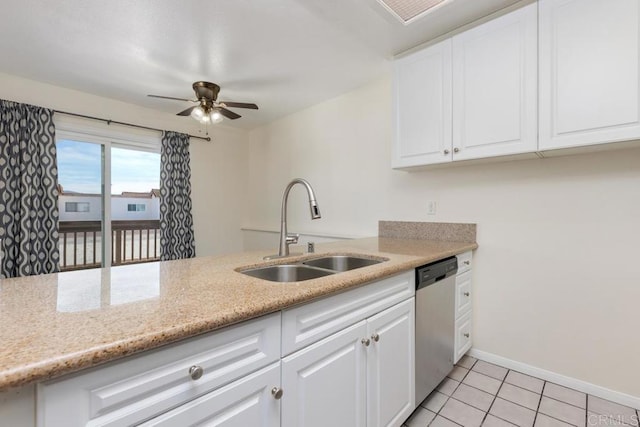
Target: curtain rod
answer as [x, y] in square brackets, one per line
[107, 121]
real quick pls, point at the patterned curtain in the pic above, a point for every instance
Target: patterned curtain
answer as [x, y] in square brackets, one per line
[176, 222]
[28, 191]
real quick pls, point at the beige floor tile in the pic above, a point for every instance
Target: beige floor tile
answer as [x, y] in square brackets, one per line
[474, 397]
[565, 395]
[482, 382]
[525, 381]
[442, 422]
[447, 386]
[420, 418]
[518, 395]
[562, 411]
[490, 370]
[543, 420]
[492, 421]
[467, 362]
[458, 373]
[435, 401]
[515, 414]
[462, 413]
[613, 410]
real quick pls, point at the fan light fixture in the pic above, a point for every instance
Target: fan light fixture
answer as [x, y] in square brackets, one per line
[206, 115]
[209, 109]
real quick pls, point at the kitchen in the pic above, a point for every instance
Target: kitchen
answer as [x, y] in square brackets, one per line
[554, 278]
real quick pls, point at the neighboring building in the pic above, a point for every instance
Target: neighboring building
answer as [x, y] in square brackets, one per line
[128, 206]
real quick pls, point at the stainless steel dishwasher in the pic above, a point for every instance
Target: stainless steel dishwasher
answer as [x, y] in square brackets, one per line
[435, 328]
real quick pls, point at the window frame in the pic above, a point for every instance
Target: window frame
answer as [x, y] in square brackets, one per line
[93, 132]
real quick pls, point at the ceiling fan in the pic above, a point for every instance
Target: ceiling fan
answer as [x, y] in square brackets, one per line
[209, 109]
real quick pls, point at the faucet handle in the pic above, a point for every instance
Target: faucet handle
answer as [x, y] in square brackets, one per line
[292, 239]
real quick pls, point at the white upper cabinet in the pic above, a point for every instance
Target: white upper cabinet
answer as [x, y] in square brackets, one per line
[589, 73]
[422, 107]
[495, 87]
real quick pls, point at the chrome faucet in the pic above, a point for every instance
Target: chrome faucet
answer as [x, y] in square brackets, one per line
[285, 238]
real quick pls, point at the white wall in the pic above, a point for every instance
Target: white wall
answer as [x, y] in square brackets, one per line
[218, 173]
[556, 278]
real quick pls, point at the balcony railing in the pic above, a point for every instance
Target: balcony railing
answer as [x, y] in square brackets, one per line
[131, 242]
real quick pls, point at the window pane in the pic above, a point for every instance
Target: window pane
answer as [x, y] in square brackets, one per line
[80, 204]
[135, 205]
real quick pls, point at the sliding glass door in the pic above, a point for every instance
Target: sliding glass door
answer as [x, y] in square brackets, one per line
[109, 203]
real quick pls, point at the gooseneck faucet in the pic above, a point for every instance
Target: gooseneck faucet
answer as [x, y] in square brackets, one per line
[285, 238]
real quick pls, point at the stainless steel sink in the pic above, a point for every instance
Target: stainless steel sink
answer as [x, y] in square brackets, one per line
[341, 262]
[287, 273]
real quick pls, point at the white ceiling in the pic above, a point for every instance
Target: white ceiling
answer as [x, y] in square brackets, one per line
[283, 55]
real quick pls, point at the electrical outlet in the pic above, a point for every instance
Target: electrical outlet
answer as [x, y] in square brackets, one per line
[431, 207]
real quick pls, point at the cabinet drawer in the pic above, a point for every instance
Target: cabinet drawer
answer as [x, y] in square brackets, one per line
[245, 402]
[463, 337]
[309, 323]
[463, 293]
[464, 261]
[140, 387]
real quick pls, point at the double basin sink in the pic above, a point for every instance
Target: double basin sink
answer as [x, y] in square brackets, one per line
[311, 269]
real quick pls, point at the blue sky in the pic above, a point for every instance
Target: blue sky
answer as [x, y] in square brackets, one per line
[79, 168]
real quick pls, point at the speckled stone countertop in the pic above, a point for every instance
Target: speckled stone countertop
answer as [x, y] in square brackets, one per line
[60, 323]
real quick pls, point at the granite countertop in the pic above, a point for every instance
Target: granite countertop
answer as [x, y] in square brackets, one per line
[56, 324]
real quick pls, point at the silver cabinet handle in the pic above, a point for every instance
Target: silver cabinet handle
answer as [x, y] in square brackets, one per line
[466, 335]
[446, 152]
[375, 337]
[456, 149]
[276, 392]
[365, 341]
[195, 372]
[466, 294]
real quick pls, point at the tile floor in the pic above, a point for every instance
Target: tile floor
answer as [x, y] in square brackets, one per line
[477, 393]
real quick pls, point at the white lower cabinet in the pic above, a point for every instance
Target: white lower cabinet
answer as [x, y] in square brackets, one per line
[463, 312]
[391, 366]
[136, 389]
[246, 402]
[344, 360]
[325, 383]
[360, 376]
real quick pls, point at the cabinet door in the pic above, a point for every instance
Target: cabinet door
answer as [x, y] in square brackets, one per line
[495, 87]
[463, 339]
[589, 72]
[245, 402]
[325, 384]
[391, 366]
[422, 107]
[463, 293]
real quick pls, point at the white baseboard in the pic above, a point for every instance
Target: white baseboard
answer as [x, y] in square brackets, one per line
[576, 384]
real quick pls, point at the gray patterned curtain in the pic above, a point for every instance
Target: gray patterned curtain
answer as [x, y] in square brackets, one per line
[28, 190]
[176, 222]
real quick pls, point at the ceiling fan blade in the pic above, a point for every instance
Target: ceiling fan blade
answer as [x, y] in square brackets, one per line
[239, 105]
[229, 114]
[172, 98]
[186, 112]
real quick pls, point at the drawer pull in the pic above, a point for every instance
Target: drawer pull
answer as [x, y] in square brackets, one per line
[375, 337]
[195, 372]
[276, 392]
[466, 294]
[467, 262]
[446, 152]
[456, 150]
[466, 335]
[365, 341]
